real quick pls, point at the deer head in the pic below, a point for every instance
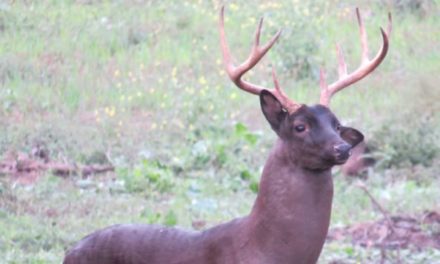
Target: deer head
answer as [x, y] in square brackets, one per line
[312, 135]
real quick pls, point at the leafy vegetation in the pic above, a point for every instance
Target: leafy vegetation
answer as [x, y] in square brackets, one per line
[141, 85]
[407, 146]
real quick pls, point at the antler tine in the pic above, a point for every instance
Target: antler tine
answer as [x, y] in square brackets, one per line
[287, 103]
[342, 66]
[236, 72]
[364, 41]
[257, 53]
[390, 24]
[227, 59]
[257, 33]
[366, 67]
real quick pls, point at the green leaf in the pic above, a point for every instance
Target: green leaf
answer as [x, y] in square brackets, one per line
[251, 138]
[254, 186]
[241, 129]
[170, 218]
[245, 175]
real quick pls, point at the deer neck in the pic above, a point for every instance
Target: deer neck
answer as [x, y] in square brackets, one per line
[293, 207]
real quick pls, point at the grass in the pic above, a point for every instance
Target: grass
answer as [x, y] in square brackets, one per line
[141, 83]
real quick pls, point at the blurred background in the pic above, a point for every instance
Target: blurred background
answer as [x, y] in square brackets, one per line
[120, 111]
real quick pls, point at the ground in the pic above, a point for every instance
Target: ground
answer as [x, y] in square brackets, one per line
[120, 111]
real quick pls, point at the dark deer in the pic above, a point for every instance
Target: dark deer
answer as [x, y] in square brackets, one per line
[290, 218]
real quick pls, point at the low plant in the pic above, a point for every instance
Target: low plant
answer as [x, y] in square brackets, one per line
[148, 176]
[411, 143]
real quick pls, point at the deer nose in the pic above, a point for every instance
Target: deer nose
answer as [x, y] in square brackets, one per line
[342, 150]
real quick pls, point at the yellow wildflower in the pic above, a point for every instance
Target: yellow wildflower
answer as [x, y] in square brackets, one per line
[202, 80]
[233, 7]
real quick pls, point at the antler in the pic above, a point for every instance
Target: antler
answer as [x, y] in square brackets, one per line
[366, 67]
[257, 53]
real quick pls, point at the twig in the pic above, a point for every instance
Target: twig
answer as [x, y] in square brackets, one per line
[362, 186]
[387, 217]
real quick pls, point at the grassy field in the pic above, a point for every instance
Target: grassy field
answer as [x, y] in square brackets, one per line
[140, 85]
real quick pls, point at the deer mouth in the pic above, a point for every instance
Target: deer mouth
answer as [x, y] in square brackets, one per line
[336, 159]
[327, 162]
[341, 158]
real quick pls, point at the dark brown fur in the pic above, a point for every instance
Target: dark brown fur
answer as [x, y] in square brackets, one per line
[288, 222]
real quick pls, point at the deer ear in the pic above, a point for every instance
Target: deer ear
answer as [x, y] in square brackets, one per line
[351, 136]
[272, 109]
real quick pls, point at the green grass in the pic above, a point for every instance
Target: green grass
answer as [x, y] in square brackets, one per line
[142, 83]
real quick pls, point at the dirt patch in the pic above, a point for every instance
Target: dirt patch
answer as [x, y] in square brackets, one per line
[26, 169]
[396, 232]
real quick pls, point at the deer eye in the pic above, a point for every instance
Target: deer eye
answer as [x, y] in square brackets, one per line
[338, 127]
[300, 128]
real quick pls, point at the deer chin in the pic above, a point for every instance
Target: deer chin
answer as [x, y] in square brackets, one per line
[320, 168]
[339, 160]
[325, 164]
[328, 162]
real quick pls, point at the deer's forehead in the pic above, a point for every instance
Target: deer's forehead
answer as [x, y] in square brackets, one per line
[314, 114]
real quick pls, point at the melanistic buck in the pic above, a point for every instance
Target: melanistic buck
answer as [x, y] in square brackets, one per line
[290, 218]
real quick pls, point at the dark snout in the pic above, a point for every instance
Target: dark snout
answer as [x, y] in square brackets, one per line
[342, 152]
[350, 138]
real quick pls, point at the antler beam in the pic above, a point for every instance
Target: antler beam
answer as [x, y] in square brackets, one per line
[366, 67]
[235, 73]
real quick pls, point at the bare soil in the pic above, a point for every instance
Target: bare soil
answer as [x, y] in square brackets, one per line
[396, 232]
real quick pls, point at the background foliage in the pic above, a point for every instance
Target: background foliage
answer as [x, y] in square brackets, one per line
[140, 84]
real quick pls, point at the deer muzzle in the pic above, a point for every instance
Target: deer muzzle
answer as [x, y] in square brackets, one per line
[342, 152]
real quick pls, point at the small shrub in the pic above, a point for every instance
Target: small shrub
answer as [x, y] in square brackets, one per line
[412, 144]
[150, 217]
[147, 176]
